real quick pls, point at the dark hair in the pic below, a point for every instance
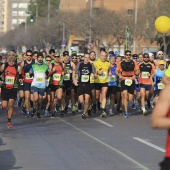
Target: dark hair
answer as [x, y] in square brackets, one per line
[35, 52]
[102, 49]
[134, 55]
[47, 56]
[92, 52]
[51, 51]
[145, 54]
[28, 51]
[111, 52]
[44, 52]
[127, 51]
[74, 55]
[86, 53]
[40, 54]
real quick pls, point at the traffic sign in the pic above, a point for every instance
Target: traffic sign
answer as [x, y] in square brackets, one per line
[89, 45]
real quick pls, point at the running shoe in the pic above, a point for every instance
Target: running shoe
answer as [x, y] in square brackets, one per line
[103, 113]
[53, 115]
[79, 107]
[144, 111]
[38, 116]
[73, 110]
[133, 106]
[27, 114]
[120, 112]
[111, 112]
[126, 114]
[62, 113]
[83, 116]
[9, 125]
[46, 112]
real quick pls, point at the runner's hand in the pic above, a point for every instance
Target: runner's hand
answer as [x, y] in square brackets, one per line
[100, 72]
[75, 82]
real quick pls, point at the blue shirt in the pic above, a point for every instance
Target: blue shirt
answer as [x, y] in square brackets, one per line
[112, 80]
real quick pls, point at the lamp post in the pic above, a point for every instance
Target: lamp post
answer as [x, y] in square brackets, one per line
[135, 26]
[49, 2]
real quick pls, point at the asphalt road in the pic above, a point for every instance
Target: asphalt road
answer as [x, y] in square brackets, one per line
[70, 143]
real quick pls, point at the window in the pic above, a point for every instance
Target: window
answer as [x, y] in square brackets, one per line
[14, 5]
[14, 21]
[14, 13]
[21, 13]
[130, 11]
[23, 5]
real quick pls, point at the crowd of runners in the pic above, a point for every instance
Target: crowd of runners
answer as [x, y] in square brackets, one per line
[49, 83]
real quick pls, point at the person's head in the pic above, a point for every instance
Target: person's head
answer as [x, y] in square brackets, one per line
[12, 56]
[103, 56]
[66, 56]
[117, 53]
[102, 49]
[86, 57]
[48, 60]
[111, 52]
[56, 57]
[35, 55]
[44, 54]
[161, 64]
[61, 58]
[74, 58]
[135, 57]
[28, 55]
[140, 57]
[160, 55]
[78, 58]
[127, 55]
[40, 57]
[92, 55]
[118, 59]
[51, 53]
[151, 57]
[146, 57]
[112, 59]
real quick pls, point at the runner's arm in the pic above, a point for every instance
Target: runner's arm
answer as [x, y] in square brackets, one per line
[159, 117]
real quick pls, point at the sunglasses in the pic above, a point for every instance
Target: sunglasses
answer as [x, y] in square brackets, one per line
[161, 54]
[56, 56]
[145, 56]
[128, 54]
[74, 58]
[48, 60]
[135, 58]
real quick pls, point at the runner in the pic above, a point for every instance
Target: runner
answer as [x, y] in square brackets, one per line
[68, 83]
[101, 82]
[140, 58]
[112, 83]
[84, 70]
[8, 80]
[126, 71]
[39, 72]
[56, 86]
[25, 69]
[160, 119]
[51, 54]
[145, 80]
[158, 80]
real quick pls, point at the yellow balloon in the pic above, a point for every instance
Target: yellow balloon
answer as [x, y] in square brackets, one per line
[162, 24]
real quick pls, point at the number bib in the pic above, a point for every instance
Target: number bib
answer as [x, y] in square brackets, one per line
[9, 80]
[67, 76]
[145, 75]
[84, 78]
[40, 80]
[128, 82]
[160, 86]
[57, 77]
[103, 76]
[112, 78]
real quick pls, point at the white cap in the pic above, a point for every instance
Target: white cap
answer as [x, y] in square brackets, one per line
[150, 54]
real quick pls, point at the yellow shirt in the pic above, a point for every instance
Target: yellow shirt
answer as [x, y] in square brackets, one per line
[167, 72]
[104, 66]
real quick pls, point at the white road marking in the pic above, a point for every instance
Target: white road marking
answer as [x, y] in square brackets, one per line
[106, 145]
[149, 144]
[105, 123]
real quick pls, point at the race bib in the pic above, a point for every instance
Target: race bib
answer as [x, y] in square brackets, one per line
[10, 80]
[103, 76]
[57, 77]
[40, 80]
[145, 75]
[27, 76]
[128, 82]
[160, 86]
[112, 78]
[84, 78]
[67, 76]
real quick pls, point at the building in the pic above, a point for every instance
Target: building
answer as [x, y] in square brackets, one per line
[113, 5]
[15, 13]
[2, 16]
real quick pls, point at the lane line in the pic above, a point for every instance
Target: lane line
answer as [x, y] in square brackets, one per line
[149, 144]
[103, 122]
[106, 145]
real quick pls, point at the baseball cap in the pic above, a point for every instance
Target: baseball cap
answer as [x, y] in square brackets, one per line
[134, 55]
[150, 54]
[161, 62]
[159, 52]
[57, 54]
[65, 53]
[117, 52]
[112, 56]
